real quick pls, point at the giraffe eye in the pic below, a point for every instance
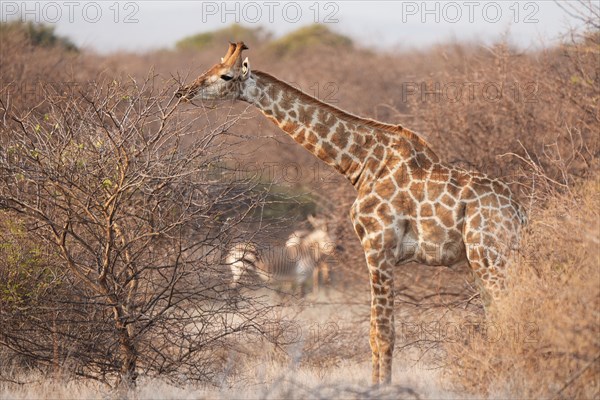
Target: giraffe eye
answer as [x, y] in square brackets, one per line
[226, 77]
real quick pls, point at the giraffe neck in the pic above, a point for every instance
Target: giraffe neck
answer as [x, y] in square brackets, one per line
[326, 131]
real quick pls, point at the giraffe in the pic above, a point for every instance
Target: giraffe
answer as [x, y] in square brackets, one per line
[296, 262]
[410, 206]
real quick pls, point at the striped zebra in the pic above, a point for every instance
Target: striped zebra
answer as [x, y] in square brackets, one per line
[294, 263]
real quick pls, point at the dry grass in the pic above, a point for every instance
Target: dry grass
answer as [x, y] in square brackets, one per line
[272, 381]
[330, 360]
[543, 338]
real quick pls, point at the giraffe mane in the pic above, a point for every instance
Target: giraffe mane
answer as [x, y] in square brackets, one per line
[307, 98]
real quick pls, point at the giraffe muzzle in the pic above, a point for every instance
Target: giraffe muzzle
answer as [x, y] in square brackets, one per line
[183, 93]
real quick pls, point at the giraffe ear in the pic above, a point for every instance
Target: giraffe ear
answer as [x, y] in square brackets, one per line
[245, 68]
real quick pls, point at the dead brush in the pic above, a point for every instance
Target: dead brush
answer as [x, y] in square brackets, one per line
[541, 341]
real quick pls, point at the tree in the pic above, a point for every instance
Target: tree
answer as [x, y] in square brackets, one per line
[124, 192]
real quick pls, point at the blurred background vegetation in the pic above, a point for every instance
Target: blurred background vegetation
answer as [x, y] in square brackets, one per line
[37, 34]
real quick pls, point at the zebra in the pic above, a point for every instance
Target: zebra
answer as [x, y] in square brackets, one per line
[293, 263]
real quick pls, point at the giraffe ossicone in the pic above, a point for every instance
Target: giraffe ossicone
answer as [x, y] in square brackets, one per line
[409, 205]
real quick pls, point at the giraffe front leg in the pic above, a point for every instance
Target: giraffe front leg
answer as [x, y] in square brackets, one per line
[377, 243]
[382, 333]
[373, 343]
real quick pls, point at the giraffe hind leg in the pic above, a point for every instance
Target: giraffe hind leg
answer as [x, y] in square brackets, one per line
[483, 262]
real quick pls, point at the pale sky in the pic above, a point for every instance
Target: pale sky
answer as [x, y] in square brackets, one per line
[107, 26]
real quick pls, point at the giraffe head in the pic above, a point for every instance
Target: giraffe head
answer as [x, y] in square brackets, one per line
[224, 80]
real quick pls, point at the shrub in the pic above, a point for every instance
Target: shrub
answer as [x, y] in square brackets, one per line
[309, 37]
[542, 338]
[232, 33]
[26, 270]
[106, 182]
[38, 35]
